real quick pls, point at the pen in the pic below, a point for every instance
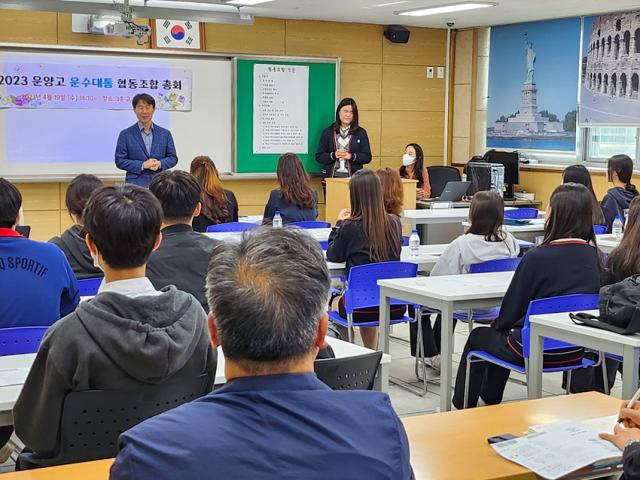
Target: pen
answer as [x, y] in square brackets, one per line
[633, 400]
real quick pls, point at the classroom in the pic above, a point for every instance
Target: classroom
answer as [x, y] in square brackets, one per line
[278, 239]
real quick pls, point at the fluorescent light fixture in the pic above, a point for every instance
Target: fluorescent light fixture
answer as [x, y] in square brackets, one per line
[440, 9]
[392, 3]
[246, 3]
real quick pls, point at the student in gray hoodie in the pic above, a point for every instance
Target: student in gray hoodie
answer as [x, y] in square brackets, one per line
[71, 242]
[128, 337]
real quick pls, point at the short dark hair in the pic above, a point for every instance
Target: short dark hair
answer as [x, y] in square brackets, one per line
[486, 215]
[78, 192]
[124, 223]
[10, 203]
[178, 193]
[254, 289]
[143, 97]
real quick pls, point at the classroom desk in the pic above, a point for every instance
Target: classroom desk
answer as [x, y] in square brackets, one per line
[427, 258]
[447, 294]
[435, 455]
[560, 327]
[342, 349]
[320, 234]
[528, 232]
[607, 242]
[453, 445]
[466, 203]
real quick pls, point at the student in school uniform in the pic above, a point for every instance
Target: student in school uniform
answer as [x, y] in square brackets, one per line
[218, 205]
[580, 174]
[566, 263]
[183, 255]
[71, 242]
[127, 337]
[413, 168]
[273, 418]
[622, 262]
[344, 146]
[38, 284]
[618, 198]
[295, 199]
[484, 240]
[392, 191]
[365, 234]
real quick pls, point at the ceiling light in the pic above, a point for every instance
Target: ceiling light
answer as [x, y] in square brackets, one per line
[450, 8]
[392, 3]
[246, 3]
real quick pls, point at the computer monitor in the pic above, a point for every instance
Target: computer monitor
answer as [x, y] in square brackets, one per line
[511, 163]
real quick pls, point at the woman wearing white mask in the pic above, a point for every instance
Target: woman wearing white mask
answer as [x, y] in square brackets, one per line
[413, 168]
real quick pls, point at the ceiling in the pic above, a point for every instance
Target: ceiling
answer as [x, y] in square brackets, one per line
[372, 11]
[368, 11]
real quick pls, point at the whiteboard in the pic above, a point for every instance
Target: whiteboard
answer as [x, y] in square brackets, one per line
[57, 144]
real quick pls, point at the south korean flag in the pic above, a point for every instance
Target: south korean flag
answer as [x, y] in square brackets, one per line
[177, 34]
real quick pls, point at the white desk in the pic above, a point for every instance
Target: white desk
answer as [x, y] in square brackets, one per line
[607, 242]
[320, 234]
[257, 219]
[560, 327]
[525, 232]
[9, 394]
[447, 294]
[427, 258]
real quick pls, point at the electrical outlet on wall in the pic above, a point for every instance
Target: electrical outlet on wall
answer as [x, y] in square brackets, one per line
[440, 72]
[430, 72]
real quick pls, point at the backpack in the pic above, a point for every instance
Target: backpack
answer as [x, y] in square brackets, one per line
[619, 307]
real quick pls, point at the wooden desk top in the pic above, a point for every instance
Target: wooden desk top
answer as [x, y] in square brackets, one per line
[98, 470]
[444, 446]
[453, 445]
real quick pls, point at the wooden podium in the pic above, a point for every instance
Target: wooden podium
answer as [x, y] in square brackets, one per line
[337, 197]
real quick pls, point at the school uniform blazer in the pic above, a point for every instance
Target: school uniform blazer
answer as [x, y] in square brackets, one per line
[131, 153]
[359, 148]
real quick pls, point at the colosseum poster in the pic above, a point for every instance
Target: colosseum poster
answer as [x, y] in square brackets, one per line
[533, 85]
[610, 69]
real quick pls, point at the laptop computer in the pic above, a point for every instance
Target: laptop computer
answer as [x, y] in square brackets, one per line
[454, 191]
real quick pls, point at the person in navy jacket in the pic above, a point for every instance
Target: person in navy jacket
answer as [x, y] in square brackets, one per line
[344, 145]
[144, 148]
[273, 418]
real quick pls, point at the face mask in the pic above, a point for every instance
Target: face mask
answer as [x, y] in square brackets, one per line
[95, 262]
[407, 160]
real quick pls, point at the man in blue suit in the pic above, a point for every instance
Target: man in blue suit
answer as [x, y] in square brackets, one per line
[144, 149]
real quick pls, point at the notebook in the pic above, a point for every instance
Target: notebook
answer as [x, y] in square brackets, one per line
[558, 449]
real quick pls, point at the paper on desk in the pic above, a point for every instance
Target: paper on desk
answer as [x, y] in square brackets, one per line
[599, 424]
[559, 449]
[13, 376]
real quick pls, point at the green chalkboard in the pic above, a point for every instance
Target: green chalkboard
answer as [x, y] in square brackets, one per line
[322, 104]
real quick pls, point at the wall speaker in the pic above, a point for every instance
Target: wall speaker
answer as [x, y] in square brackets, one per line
[397, 33]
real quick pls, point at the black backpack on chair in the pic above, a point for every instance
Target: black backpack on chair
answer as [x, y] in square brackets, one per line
[619, 307]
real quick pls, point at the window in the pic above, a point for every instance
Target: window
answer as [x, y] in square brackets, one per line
[604, 142]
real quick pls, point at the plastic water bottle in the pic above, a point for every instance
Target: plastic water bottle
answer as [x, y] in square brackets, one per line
[616, 228]
[277, 220]
[414, 244]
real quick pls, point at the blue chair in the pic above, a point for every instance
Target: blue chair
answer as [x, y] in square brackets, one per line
[310, 224]
[231, 227]
[362, 291]
[522, 213]
[565, 303]
[88, 287]
[19, 340]
[599, 229]
[499, 265]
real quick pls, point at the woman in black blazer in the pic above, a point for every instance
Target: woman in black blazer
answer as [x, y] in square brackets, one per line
[344, 145]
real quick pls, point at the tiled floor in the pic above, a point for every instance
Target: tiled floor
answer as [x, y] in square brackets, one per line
[402, 366]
